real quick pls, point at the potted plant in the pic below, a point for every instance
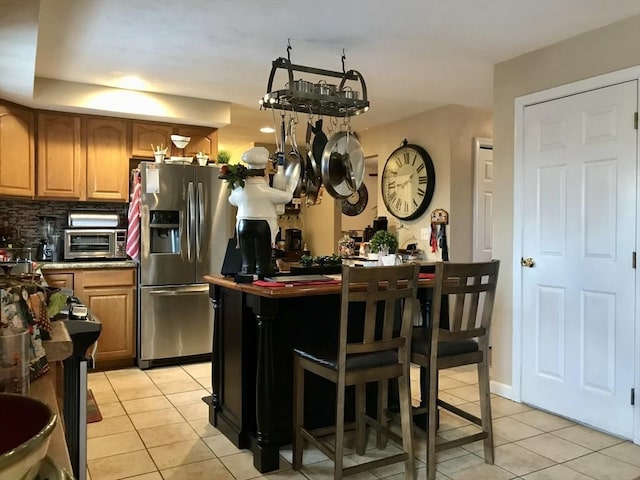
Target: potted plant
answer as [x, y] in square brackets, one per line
[223, 157]
[382, 239]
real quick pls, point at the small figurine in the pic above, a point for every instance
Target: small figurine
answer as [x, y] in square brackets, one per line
[257, 220]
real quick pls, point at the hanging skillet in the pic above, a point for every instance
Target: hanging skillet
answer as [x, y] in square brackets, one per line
[342, 165]
[315, 159]
[319, 142]
[293, 163]
[313, 180]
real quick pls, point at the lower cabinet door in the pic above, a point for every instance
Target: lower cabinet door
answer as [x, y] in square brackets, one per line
[114, 307]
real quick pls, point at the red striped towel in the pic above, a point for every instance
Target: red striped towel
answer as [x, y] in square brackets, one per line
[133, 231]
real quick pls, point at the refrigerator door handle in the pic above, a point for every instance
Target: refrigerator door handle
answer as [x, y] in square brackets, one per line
[191, 219]
[182, 291]
[200, 224]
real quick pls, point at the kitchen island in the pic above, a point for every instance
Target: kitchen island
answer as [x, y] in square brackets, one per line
[255, 331]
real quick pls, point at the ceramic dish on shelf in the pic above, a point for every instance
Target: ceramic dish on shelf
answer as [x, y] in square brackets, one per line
[180, 141]
[179, 160]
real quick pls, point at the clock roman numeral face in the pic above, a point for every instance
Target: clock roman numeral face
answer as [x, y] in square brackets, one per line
[408, 182]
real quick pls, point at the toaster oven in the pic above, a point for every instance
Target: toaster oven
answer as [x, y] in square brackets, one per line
[95, 243]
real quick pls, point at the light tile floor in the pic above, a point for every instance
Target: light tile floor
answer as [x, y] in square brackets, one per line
[155, 427]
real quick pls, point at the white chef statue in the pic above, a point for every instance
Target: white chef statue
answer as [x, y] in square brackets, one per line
[257, 220]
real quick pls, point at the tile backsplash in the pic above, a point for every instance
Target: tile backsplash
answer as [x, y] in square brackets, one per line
[19, 219]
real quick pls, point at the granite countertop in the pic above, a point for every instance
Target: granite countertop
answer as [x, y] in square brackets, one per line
[76, 264]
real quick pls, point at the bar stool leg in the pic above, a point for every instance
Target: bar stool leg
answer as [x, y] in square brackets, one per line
[406, 419]
[339, 451]
[298, 413]
[485, 409]
[383, 404]
[361, 427]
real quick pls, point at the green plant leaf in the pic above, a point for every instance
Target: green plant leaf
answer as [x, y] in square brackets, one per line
[383, 237]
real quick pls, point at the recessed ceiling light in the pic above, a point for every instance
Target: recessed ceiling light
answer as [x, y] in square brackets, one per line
[131, 82]
[267, 130]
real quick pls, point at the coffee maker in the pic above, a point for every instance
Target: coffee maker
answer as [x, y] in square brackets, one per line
[293, 239]
[47, 248]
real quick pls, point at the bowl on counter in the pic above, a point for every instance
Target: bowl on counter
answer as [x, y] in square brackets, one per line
[26, 425]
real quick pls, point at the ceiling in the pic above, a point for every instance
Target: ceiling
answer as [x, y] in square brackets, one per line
[413, 54]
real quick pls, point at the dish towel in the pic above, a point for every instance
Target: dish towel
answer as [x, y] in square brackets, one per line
[133, 230]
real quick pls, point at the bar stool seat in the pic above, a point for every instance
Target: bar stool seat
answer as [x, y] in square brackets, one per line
[420, 344]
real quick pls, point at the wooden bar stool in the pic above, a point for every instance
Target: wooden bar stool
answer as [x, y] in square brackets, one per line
[470, 289]
[373, 358]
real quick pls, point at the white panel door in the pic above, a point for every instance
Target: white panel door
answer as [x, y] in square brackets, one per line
[483, 200]
[579, 226]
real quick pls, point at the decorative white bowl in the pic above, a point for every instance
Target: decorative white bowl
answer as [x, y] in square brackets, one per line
[26, 431]
[202, 159]
[180, 141]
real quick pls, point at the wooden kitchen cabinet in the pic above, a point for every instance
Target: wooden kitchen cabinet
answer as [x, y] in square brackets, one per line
[17, 151]
[203, 139]
[82, 158]
[107, 150]
[61, 160]
[145, 134]
[110, 295]
[59, 279]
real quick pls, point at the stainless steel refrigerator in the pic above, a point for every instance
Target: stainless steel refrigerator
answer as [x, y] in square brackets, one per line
[185, 222]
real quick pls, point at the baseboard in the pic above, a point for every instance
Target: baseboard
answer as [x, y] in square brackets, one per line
[503, 390]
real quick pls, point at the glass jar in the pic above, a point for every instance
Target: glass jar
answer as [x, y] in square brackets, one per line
[346, 246]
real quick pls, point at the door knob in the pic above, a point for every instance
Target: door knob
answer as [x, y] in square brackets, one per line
[527, 262]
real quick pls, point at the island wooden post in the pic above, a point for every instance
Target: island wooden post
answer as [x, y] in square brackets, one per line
[266, 456]
[217, 357]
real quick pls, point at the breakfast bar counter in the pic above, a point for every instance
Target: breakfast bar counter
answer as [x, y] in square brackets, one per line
[58, 348]
[255, 330]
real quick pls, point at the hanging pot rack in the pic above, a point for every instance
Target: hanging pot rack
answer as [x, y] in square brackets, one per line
[313, 103]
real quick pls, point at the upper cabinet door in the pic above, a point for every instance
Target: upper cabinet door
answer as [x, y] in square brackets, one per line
[107, 159]
[144, 134]
[61, 163]
[17, 151]
[203, 139]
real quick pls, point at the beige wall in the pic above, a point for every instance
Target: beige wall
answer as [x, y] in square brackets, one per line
[600, 51]
[321, 225]
[447, 135]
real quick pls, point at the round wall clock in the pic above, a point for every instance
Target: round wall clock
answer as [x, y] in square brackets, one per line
[355, 203]
[408, 181]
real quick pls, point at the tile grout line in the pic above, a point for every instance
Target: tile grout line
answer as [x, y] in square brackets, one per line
[478, 454]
